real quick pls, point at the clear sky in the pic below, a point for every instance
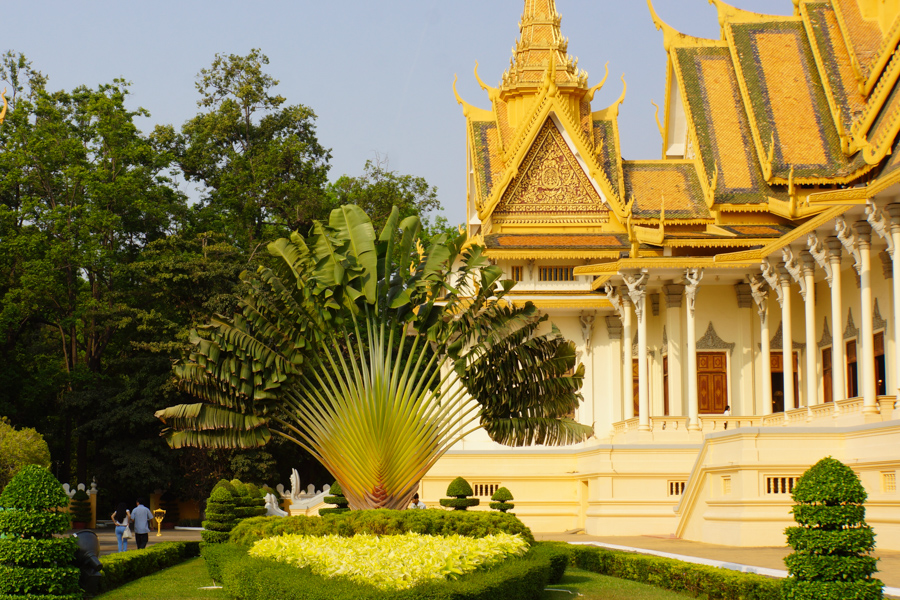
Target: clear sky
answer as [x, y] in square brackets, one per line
[377, 74]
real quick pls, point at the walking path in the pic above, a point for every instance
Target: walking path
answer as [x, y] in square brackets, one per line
[109, 544]
[765, 561]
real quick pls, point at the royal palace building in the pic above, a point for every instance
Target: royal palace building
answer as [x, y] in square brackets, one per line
[736, 302]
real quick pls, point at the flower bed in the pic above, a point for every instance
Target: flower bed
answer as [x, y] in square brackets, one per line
[394, 562]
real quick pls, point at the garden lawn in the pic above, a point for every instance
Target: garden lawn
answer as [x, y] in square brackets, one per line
[179, 582]
[592, 586]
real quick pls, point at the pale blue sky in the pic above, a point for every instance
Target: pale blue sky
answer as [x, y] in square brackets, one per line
[377, 74]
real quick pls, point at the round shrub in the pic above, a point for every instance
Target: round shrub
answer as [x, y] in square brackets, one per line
[831, 541]
[459, 488]
[337, 498]
[34, 563]
[501, 500]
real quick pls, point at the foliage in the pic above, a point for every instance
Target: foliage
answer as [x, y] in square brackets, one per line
[32, 561]
[395, 562]
[501, 500]
[220, 514]
[219, 555]
[249, 500]
[460, 489]
[677, 576]
[383, 522]
[122, 567]
[261, 164]
[80, 507]
[337, 498]
[20, 447]
[525, 578]
[831, 541]
[336, 336]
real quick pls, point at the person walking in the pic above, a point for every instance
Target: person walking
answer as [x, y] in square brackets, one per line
[121, 518]
[141, 517]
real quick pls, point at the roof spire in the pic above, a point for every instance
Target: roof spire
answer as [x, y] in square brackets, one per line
[540, 42]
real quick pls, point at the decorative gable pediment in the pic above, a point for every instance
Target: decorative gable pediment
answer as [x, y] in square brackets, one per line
[551, 182]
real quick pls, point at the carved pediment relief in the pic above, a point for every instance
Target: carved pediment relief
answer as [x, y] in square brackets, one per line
[551, 182]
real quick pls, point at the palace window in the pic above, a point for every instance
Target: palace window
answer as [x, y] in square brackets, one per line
[889, 482]
[827, 375]
[516, 273]
[485, 490]
[880, 383]
[852, 371]
[780, 485]
[676, 488]
[557, 273]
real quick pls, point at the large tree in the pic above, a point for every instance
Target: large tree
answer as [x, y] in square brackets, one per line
[259, 160]
[375, 366]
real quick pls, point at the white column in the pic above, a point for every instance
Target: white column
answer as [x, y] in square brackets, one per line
[613, 387]
[787, 338]
[637, 291]
[867, 349]
[761, 297]
[673, 296]
[838, 359]
[809, 302]
[627, 351]
[692, 279]
[894, 211]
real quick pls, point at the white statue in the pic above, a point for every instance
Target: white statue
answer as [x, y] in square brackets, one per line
[849, 241]
[692, 279]
[296, 490]
[587, 328]
[272, 508]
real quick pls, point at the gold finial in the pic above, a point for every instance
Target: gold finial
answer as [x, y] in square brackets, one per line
[493, 93]
[621, 99]
[662, 132]
[590, 95]
[466, 106]
[5, 106]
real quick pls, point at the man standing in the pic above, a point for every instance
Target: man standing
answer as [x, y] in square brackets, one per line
[141, 516]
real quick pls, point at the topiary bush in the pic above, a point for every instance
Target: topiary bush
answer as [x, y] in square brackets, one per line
[501, 500]
[34, 563]
[460, 489]
[220, 515]
[80, 508]
[336, 498]
[248, 501]
[832, 541]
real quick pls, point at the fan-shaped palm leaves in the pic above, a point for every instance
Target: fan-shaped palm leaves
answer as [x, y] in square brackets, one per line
[376, 356]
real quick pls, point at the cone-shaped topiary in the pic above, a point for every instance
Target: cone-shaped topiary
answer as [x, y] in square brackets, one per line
[460, 489]
[33, 563]
[336, 498]
[501, 500]
[80, 508]
[832, 541]
[220, 515]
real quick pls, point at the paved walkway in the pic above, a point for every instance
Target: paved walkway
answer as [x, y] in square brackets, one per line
[767, 558]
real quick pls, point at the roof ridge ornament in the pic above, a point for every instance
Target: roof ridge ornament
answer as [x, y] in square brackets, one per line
[662, 132]
[672, 36]
[590, 94]
[466, 106]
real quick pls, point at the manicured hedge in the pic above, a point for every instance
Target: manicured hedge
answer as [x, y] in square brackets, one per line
[678, 576]
[382, 522]
[122, 567]
[248, 578]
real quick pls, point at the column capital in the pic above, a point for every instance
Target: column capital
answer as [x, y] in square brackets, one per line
[863, 232]
[893, 209]
[833, 246]
[744, 295]
[673, 293]
[614, 328]
[807, 262]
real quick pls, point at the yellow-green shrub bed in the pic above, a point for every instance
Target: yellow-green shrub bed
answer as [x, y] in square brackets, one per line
[395, 562]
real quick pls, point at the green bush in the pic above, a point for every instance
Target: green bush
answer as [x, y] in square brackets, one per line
[831, 541]
[248, 578]
[501, 500]
[220, 514]
[80, 507]
[122, 567]
[33, 563]
[217, 556]
[675, 575]
[337, 498]
[382, 522]
[20, 447]
[460, 489]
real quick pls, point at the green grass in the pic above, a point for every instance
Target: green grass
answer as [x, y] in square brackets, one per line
[592, 586]
[179, 582]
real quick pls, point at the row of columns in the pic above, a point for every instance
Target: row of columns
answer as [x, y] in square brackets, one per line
[779, 278]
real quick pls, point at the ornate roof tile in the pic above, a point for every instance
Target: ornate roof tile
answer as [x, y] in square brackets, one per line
[647, 182]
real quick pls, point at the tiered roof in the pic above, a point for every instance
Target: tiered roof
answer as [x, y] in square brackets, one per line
[778, 111]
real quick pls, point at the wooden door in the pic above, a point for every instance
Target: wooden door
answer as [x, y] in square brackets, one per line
[880, 382]
[852, 383]
[636, 386]
[827, 376]
[712, 382]
[666, 386]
